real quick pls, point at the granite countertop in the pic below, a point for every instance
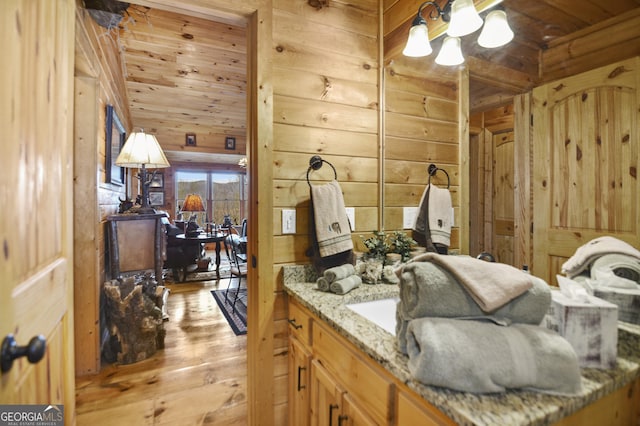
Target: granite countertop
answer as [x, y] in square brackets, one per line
[513, 407]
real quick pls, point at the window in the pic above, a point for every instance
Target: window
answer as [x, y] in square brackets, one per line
[223, 193]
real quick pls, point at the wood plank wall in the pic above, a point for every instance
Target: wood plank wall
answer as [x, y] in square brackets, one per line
[421, 128]
[97, 61]
[325, 96]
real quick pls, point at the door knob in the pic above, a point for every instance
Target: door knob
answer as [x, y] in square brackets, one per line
[34, 351]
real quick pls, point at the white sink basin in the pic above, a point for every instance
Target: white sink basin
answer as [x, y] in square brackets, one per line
[381, 312]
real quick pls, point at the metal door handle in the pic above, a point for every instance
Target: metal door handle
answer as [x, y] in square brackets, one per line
[34, 351]
[331, 408]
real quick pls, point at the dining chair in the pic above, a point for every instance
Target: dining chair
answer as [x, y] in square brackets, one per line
[238, 271]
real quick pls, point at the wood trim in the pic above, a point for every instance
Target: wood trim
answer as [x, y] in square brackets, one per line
[463, 138]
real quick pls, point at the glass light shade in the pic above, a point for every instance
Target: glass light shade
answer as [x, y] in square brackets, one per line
[450, 53]
[496, 31]
[418, 42]
[193, 203]
[142, 149]
[464, 18]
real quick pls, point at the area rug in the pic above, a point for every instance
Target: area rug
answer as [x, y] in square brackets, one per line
[237, 319]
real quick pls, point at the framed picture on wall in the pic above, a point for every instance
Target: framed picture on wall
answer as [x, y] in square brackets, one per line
[156, 198]
[190, 139]
[157, 181]
[230, 142]
[115, 137]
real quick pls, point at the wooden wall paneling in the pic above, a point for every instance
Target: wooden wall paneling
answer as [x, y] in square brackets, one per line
[603, 43]
[476, 185]
[87, 263]
[488, 191]
[464, 119]
[523, 196]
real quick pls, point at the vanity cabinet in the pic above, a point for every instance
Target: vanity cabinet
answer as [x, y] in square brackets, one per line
[331, 403]
[299, 388]
[345, 387]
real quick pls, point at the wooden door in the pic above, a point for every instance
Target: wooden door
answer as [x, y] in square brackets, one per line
[585, 163]
[502, 200]
[36, 116]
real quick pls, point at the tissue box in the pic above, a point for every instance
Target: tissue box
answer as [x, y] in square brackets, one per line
[590, 328]
[627, 300]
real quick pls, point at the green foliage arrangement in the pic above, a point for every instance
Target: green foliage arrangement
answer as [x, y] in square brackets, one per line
[380, 244]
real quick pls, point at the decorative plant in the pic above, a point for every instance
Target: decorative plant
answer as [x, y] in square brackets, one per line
[377, 245]
[401, 243]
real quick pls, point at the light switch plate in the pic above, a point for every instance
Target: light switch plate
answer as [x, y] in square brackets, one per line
[288, 221]
[351, 214]
[409, 215]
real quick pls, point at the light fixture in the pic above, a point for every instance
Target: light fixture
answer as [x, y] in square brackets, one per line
[451, 52]
[142, 150]
[192, 203]
[496, 31]
[463, 19]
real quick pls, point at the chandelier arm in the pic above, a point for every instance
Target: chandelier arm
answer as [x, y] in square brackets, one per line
[440, 11]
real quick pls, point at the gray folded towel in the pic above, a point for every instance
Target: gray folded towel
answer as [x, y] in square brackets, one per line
[491, 284]
[426, 290]
[323, 284]
[481, 357]
[339, 272]
[401, 328]
[345, 285]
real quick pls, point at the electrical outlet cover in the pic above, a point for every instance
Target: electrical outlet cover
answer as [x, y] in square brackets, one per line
[288, 221]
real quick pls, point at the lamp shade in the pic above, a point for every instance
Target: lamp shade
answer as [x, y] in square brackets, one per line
[450, 53]
[496, 31]
[142, 149]
[418, 42]
[464, 18]
[193, 203]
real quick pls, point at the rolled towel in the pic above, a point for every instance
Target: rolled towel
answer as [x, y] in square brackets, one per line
[339, 272]
[345, 285]
[323, 284]
[426, 290]
[481, 357]
[587, 253]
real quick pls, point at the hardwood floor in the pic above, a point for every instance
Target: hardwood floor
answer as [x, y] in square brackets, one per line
[199, 378]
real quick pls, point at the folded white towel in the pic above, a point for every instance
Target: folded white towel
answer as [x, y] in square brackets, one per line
[481, 357]
[333, 232]
[589, 252]
[490, 284]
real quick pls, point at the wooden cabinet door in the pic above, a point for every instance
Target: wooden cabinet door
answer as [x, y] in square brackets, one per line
[326, 397]
[299, 363]
[36, 188]
[585, 163]
[353, 415]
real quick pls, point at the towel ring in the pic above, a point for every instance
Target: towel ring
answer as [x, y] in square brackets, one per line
[315, 163]
[433, 169]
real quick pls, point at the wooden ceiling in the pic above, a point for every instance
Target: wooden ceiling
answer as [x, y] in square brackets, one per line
[187, 74]
[549, 36]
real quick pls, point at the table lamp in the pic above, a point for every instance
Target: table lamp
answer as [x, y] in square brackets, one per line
[192, 203]
[142, 150]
